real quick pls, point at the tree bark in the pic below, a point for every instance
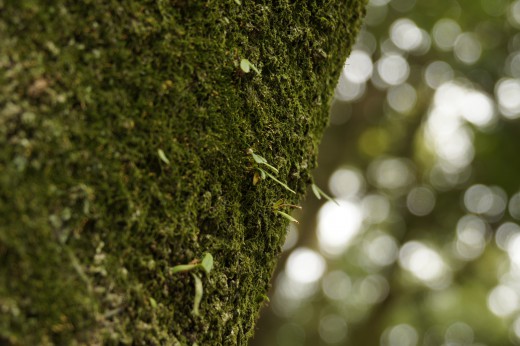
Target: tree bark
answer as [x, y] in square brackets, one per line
[124, 136]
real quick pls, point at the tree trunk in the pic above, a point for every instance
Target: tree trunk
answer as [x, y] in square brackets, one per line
[124, 136]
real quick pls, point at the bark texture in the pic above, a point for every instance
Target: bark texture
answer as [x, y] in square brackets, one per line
[124, 131]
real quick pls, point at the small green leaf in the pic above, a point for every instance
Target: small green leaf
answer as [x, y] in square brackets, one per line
[183, 268]
[277, 204]
[319, 193]
[153, 303]
[316, 191]
[279, 182]
[162, 156]
[238, 2]
[287, 216]
[198, 295]
[246, 66]
[207, 263]
[262, 173]
[258, 158]
[262, 161]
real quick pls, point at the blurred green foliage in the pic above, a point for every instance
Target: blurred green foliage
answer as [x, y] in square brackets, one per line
[422, 154]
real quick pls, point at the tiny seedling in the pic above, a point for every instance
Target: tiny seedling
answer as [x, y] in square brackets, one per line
[247, 66]
[264, 173]
[280, 204]
[206, 264]
[319, 194]
[198, 295]
[162, 156]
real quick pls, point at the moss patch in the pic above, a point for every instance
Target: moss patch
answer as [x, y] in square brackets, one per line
[124, 129]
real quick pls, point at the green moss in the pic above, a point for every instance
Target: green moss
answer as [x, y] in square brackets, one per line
[93, 218]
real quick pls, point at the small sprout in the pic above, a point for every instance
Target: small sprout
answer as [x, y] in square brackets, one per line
[280, 204]
[153, 303]
[162, 156]
[287, 216]
[198, 295]
[265, 173]
[319, 193]
[246, 66]
[207, 263]
[183, 268]
[262, 161]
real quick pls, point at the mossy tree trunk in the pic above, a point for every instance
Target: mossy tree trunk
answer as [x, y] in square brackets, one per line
[124, 132]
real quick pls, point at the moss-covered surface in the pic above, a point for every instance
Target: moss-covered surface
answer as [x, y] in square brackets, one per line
[93, 220]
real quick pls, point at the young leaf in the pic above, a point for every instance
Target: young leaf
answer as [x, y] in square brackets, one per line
[162, 156]
[287, 216]
[262, 161]
[277, 204]
[262, 173]
[198, 295]
[258, 158]
[316, 191]
[183, 268]
[207, 263]
[246, 65]
[278, 181]
[319, 193]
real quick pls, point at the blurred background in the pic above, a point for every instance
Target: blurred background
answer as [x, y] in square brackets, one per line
[423, 156]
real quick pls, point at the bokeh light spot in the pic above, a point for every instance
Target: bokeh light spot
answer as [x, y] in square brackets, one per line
[472, 234]
[393, 69]
[358, 68]
[400, 335]
[503, 301]
[338, 225]
[402, 98]
[508, 94]
[346, 183]
[382, 249]
[438, 73]
[305, 265]
[468, 48]
[505, 233]
[292, 237]
[514, 206]
[336, 285]
[459, 333]
[514, 14]
[333, 329]
[425, 264]
[445, 33]
[391, 173]
[346, 90]
[490, 202]
[376, 208]
[405, 34]
[420, 201]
